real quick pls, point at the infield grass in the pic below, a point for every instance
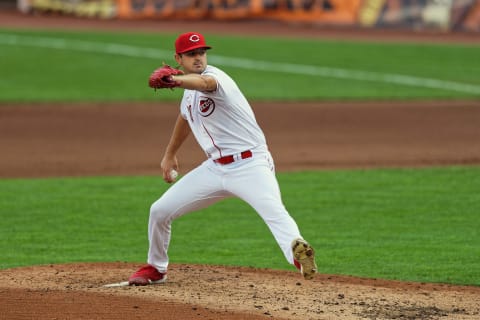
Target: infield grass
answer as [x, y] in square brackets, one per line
[406, 224]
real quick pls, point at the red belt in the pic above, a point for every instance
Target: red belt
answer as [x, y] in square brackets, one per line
[231, 158]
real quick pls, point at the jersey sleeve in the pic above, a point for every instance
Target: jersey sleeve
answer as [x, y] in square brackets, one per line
[215, 76]
[184, 115]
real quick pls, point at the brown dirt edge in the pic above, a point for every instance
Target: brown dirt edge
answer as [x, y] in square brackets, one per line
[100, 139]
[74, 291]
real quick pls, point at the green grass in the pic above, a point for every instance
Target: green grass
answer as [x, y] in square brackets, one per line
[406, 224]
[36, 72]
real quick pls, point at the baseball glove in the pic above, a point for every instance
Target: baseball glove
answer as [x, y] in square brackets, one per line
[162, 78]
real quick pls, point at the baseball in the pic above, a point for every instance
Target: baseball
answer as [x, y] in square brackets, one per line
[173, 174]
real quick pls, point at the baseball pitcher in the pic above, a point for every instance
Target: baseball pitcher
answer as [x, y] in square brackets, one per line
[238, 162]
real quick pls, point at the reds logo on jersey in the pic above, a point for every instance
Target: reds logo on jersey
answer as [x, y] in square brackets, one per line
[206, 106]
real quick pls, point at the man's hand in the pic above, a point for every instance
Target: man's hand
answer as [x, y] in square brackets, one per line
[163, 78]
[168, 164]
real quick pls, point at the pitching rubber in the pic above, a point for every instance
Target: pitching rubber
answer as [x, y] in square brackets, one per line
[118, 284]
[126, 283]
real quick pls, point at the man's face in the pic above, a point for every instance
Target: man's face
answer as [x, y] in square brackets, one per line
[194, 61]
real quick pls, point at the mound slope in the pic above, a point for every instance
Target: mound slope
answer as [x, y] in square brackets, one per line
[74, 291]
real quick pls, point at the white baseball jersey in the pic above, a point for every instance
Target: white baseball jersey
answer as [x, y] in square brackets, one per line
[210, 117]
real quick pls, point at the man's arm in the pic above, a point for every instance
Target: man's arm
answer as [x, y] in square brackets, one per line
[193, 81]
[179, 135]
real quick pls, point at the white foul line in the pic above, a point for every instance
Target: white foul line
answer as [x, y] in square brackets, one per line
[152, 53]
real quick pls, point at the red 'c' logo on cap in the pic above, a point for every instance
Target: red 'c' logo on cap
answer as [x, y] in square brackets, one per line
[194, 38]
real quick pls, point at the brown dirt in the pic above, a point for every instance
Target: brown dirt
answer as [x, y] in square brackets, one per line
[128, 139]
[74, 291]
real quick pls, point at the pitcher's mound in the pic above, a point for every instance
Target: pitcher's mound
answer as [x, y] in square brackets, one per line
[75, 291]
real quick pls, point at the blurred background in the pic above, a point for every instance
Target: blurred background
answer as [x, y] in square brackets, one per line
[436, 15]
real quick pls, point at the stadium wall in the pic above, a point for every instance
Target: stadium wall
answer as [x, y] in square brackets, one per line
[445, 15]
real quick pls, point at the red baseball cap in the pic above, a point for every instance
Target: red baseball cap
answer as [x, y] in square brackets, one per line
[190, 41]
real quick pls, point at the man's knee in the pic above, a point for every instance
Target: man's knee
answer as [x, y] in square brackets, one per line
[159, 213]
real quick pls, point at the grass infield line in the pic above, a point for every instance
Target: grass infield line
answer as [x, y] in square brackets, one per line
[327, 72]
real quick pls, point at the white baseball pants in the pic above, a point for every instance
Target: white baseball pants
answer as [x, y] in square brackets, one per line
[252, 180]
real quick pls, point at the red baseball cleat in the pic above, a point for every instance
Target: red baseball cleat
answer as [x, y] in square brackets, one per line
[146, 275]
